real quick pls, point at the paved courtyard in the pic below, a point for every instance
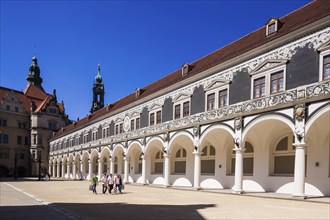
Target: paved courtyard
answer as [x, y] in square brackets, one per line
[31, 199]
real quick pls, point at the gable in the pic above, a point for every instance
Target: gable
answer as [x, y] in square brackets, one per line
[267, 65]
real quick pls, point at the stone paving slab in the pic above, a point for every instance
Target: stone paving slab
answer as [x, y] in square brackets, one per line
[72, 199]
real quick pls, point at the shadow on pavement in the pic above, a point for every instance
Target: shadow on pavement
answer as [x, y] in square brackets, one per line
[103, 210]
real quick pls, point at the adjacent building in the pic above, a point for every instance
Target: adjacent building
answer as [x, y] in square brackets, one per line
[28, 119]
[251, 116]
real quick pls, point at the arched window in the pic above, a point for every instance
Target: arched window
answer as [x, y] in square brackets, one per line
[284, 156]
[159, 159]
[247, 160]
[180, 161]
[208, 160]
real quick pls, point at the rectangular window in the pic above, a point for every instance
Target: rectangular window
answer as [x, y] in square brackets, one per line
[259, 87]
[276, 83]
[26, 140]
[4, 138]
[117, 129]
[39, 139]
[271, 28]
[85, 139]
[8, 107]
[3, 122]
[19, 140]
[177, 110]
[132, 125]
[34, 139]
[137, 123]
[159, 117]
[223, 98]
[326, 67]
[121, 128]
[186, 109]
[16, 109]
[152, 119]
[210, 101]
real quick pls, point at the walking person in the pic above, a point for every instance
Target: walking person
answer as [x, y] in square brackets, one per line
[119, 183]
[110, 182]
[95, 181]
[104, 181]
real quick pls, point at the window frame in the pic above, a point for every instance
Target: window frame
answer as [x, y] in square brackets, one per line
[215, 88]
[178, 104]
[267, 73]
[323, 54]
[153, 111]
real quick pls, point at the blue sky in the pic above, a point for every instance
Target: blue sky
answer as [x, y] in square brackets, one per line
[135, 42]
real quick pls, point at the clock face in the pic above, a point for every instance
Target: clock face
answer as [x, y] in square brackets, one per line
[127, 125]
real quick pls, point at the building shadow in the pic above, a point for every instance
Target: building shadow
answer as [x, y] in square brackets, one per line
[114, 211]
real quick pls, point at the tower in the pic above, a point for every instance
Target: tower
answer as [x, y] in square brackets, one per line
[98, 92]
[34, 74]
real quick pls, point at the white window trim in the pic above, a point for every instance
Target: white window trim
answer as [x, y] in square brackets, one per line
[267, 73]
[322, 55]
[155, 110]
[179, 100]
[133, 117]
[216, 91]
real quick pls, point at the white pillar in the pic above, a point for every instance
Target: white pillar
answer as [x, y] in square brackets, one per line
[82, 171]
[166, 170]
[74, 173]
[126, 170]
[99, 173]
[111, 166]
[50, 168]
[143, 170]
[68, 170]
[197, 170]
[90, 169]
[299, 172]
[54, 170]
[58, 169]
[63, 170]
[238, 187]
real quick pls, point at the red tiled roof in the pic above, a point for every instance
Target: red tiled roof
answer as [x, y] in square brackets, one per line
[297, 19]
[31, 93]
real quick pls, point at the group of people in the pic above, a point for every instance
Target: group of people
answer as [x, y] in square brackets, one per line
[109, 183]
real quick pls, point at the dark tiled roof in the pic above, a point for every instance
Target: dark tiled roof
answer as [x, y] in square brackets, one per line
[297, 19]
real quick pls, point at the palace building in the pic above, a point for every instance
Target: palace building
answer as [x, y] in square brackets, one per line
[27, 121]
[251, 116]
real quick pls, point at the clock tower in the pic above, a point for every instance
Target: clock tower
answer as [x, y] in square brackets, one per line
[98, 92]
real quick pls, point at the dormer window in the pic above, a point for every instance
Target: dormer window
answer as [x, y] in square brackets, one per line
[185, 69]
[272, 26]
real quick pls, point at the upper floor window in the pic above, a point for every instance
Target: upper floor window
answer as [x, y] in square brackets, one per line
[105, 132]
[326, 67]
[85, 138]
[94, 136]
[223, 98]
[77, 141]
[4, 138]
[272, 26]
[158, 117]
[155, 114]
[186, 109]
[3, 122]
[217, 94]
[152, 119]
[210, 102]
[268, 78]
[181, 105]
[137, 123]
[52, 125]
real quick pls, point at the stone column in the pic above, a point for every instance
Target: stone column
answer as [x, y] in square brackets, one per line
[299, 172]
[197, 170]
[82, 171]
[58, 169]
[74, 173]
[299, 165]
[126, 167]
[238, 187]
[143, 169]
[166, 170]
[54, 170]
[90, 169]
[239, 149]
[111, 166]
[63, 170]
[99, 173]
[50, 167]
[68, 169]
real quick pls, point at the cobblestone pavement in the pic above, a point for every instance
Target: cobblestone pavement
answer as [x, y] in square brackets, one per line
[31, 199]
